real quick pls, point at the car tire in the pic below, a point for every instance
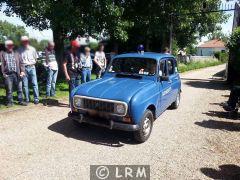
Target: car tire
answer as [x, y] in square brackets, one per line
[145, 128]
[176, 103]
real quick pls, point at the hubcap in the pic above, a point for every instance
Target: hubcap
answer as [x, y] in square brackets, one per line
[146, 126]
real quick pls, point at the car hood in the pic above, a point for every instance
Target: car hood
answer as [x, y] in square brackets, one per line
[121, 89]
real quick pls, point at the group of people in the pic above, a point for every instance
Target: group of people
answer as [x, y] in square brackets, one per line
[19, 68]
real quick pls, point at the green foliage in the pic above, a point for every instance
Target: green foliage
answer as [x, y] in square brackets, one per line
[218, 34]
[134, 22]
[93, 46]
[152, 21]
[197, 65]
[10, 31]
[221, 56]
[233, 46]
[40, 46]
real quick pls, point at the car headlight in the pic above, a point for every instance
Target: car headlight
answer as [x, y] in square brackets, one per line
[120, 109]
[77, 102]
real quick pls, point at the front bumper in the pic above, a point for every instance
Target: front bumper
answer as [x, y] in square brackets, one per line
[110, 124]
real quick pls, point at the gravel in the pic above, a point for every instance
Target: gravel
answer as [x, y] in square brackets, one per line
[197, 141]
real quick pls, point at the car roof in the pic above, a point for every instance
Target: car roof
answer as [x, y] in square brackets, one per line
[150, 55]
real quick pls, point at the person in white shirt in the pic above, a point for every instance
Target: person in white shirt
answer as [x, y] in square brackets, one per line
[100, 60]
[86, 62]
[52, 69]
[29, 58]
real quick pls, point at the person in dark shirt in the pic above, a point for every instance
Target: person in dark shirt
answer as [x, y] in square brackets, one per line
[13, 71]
[72, 65]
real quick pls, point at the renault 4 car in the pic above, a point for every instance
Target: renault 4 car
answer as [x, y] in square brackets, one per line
[134, 91]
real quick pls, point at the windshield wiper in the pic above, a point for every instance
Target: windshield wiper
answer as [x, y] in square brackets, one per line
[128, 75]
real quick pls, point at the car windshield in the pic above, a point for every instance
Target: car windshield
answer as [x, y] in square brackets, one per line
[136, 66]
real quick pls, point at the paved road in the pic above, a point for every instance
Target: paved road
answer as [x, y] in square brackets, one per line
[197, 141]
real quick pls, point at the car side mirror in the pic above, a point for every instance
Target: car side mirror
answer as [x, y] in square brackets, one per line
[164, 78]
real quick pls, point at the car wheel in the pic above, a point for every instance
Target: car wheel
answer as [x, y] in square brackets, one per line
[176, 103]
[145, 130]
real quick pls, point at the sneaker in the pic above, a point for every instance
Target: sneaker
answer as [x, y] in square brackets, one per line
[36, 102]
[23, 103]
[9, 105]
[226, 107]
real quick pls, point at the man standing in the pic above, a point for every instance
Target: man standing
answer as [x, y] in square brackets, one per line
[29, 58]
[100, 60]
[86, 61]
[72, 65]
[13, 71]
[52, 69]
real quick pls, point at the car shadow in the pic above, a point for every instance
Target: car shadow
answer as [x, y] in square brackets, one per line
[221, 125]
[92, 134]
[214, 84]
[226, 171]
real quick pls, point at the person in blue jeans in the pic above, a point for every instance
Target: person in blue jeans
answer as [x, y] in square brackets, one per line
[29, 58]
[72, 66]
[13, 71]
[86, 62]
[52, 70]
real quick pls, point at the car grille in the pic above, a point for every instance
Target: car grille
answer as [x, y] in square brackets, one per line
[98, 105]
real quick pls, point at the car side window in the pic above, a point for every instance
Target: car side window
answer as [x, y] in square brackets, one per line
[170, 66]
[162, 68]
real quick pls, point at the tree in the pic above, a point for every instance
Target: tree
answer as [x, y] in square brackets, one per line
[10, 31]
[70, 18]
[153, 20]
[218, 34]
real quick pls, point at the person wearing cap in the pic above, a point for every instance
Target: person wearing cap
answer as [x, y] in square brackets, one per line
[72, 65]
[86, 62]
[100, 60]
[52, 69]
[13, 71]
[29, 58]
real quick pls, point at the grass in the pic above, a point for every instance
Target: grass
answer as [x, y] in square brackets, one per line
[198, 65]
[62, 85]
[61, 92]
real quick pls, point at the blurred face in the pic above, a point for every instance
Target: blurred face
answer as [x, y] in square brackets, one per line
[10, 47]
[25, 43]
[87, 52]
[51, 46]
[74, 49]
[101, 48]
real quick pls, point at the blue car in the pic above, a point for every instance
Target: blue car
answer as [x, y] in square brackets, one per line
[134, 91]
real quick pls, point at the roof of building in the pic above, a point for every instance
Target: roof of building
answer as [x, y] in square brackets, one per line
[150, 55]
[215, 43]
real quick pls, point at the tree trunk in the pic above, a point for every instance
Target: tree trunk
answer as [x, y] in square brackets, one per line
[58, 37]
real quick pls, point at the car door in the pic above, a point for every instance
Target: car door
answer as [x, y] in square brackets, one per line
[164, 88]
[173, 78]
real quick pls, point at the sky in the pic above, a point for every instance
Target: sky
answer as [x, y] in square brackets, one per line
[47, 34]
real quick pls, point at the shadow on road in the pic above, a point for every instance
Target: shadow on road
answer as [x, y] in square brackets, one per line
[206, 83]
[227, 171]
[92, 134]
[219, 114]
[221, 125]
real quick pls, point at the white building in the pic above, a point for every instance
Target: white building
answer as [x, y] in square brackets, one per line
[210, 47]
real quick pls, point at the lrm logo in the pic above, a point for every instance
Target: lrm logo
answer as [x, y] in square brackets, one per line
[119, 172]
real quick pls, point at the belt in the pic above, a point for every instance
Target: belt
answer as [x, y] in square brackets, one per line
[86, 67]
